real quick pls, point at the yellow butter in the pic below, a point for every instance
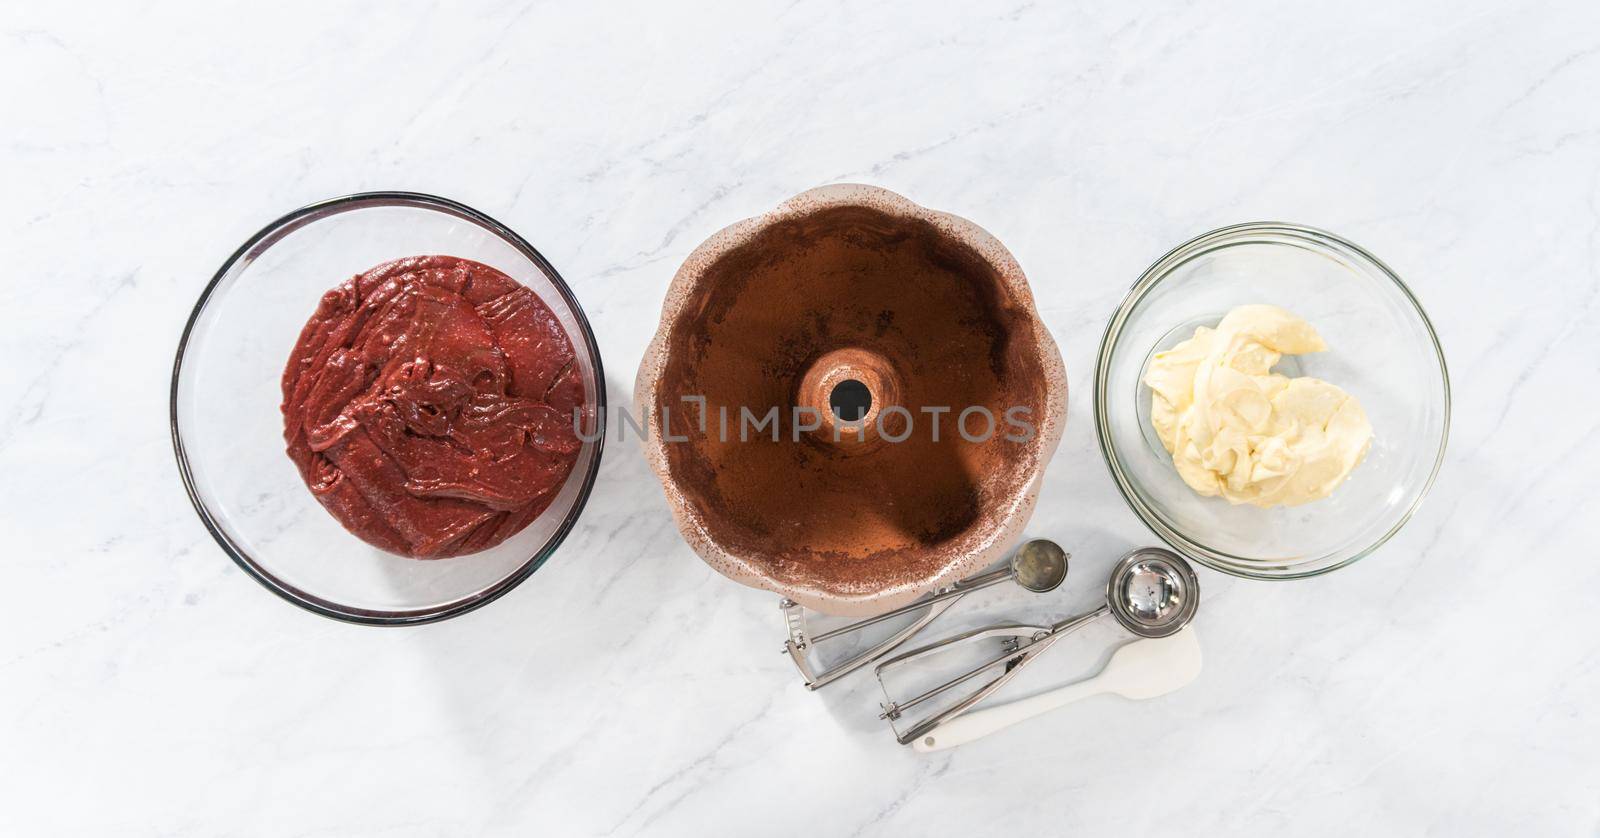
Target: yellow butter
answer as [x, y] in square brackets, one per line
[1236, 429]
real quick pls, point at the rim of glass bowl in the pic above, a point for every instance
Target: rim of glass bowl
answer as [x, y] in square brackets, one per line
[258, 244]
[1213, 240]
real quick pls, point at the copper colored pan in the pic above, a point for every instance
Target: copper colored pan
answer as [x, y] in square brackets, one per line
[840, 290]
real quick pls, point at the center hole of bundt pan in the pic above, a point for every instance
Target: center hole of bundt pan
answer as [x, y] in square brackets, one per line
[850, 400]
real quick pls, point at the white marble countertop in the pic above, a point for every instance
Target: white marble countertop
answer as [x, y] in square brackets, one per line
[148, 687]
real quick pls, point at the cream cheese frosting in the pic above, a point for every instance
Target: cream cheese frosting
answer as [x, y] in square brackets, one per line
[1237, 429]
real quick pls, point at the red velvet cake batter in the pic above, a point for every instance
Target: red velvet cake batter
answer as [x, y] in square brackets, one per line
[429, 406]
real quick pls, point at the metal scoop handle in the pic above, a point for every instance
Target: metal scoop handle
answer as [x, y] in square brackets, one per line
[1038, 639]
[799, 642]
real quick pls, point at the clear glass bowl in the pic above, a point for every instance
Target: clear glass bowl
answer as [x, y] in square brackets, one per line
[227, 429]
[1382, 350]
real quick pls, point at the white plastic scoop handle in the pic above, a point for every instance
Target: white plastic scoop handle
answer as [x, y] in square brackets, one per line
[1138, 670]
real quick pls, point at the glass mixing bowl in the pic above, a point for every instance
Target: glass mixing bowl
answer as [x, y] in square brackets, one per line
[1381, 349]
[227, 429]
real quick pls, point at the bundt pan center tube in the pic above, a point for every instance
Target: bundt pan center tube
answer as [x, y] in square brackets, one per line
[915, 398]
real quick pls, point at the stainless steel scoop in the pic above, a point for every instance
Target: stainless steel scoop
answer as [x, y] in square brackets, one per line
[1039, 565]
[1152, 592]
